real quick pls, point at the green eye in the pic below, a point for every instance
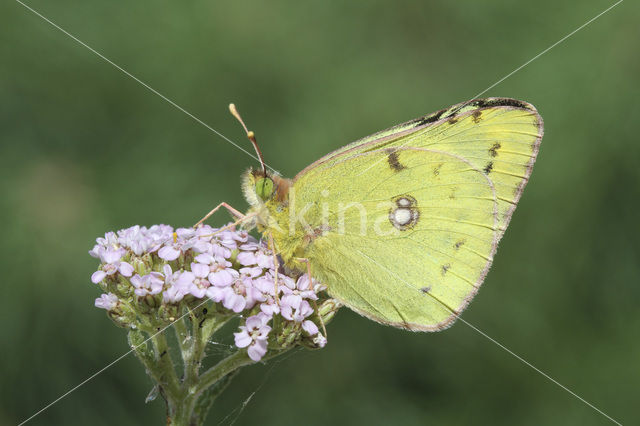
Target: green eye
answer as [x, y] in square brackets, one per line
[264, 188]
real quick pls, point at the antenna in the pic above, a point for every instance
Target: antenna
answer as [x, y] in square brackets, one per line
[250, 135]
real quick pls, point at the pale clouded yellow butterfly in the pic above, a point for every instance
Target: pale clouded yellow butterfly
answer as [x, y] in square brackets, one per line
[402, 226]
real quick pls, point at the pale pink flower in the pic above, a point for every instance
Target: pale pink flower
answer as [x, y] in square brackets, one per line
[254, 335]
[148, 284]
[295, 309]
[221, 273]
[173, 292]
[264, 292]
[300, 289]
[107, 301]
[112, 264]
[235, 297]
[196, 280]
[170, 252]
[310, 327]
[320, 340]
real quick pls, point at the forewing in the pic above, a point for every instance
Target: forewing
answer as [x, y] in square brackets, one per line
[404, 236]
[499, 136]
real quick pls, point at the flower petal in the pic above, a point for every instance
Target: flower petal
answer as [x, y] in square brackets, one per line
[257, 350]
[246, 258]
[200, 270]
[98, 276]
[310, 327]
[125, 269]
[242, 339]
[168, 253]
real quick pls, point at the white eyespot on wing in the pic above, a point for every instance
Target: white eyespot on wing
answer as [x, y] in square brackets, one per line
[403, 202]
[405, 214]
[402, 216]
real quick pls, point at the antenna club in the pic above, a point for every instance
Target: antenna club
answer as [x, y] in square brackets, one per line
[236, 114]
[250, 135]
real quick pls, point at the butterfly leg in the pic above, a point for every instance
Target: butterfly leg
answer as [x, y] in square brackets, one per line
[276, 265]
[231, 210]
[315, 305]
[229, 226]
[232, 225]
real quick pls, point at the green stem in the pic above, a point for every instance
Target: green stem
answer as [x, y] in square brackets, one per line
[190, 399]
[208, 397]
[201, 396]
[204, 330]
[155, 365]
[181, 334]
[229, 364]
[164, 363]
[189, 409]
[184, 342]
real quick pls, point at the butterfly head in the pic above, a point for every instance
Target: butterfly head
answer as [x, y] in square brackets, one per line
[260, 188]
[264, 187]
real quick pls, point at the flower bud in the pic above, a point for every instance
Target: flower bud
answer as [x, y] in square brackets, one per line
[124, 320]
[328, 309]
[140, 266]
[288, 335]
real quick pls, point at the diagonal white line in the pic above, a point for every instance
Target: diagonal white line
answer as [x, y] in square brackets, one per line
[519, 358]
[151, 89]
[519, 68]
[107, 366]
[548, 49]
[545, 375]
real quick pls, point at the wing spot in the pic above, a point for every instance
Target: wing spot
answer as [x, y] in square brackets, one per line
[436, 169]
[445, 268]
[429, 118]
[476, 116]
[402, 216]
[452, 195]
[405, 214]
[458, 244]
[489, 167]
[493, 151]
[403, 202]
[394, 161]
[493, 102]
[452, 120]
[426, 289]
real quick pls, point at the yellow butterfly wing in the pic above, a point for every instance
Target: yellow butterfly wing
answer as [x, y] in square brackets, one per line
[402, 245]
[500, 136]
[404, 224]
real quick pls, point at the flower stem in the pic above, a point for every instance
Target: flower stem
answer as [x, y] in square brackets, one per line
[193, 401]
[168, 380]
[157, 362]
[208, 397]
[182, 335]
[229, 364]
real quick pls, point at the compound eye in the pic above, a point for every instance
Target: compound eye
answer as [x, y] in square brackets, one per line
[264, 188]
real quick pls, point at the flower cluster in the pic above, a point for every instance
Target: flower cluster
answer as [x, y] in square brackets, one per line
[154, 274]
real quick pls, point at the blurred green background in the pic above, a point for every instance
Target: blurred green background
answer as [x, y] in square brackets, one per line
[85, 149]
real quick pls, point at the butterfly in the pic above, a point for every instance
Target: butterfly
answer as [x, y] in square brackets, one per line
[402, 226]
